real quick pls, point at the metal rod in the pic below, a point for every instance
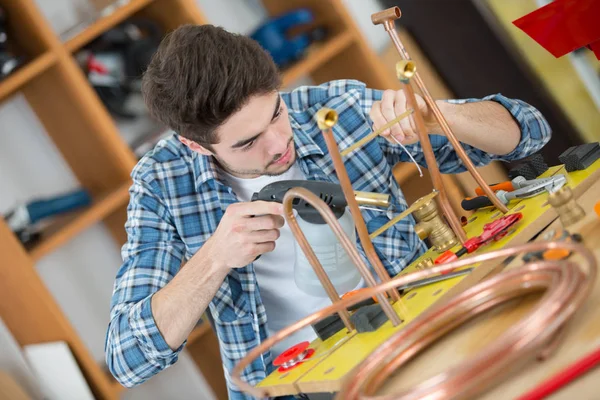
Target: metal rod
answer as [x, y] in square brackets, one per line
[413, 207]
[346, 243]
[326, 119]
[559, 297]
[387, 18]
[374, 134]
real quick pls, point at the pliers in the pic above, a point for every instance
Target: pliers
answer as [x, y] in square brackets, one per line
[521, 188]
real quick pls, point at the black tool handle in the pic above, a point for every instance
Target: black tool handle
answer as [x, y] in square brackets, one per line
[476, 202]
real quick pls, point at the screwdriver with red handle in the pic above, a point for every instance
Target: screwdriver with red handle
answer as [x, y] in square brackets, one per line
[494, 230]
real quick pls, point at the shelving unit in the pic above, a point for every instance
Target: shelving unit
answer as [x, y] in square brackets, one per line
[89, 141]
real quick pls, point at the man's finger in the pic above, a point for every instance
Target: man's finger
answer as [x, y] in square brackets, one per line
[262, 222]
[377, 118]
[259, 207]
[387, 109]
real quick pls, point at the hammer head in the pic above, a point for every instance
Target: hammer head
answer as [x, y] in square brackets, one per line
[386, 17]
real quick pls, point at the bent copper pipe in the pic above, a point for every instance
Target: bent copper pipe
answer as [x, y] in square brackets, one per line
[347, 244]
[524, 276]
[326, 119]
[432, 166]
[387, 18]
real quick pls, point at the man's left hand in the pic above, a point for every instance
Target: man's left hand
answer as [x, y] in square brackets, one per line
[392, 104]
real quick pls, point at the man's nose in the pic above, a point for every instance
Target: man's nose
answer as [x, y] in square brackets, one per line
[277, 142]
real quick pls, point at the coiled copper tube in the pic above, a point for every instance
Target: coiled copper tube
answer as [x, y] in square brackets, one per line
[387, 18]
[566, 284]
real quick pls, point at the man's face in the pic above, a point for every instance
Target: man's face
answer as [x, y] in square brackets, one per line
[257, 140]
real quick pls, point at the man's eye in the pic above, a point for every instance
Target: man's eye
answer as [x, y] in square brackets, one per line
[248, 145]
[278, 113]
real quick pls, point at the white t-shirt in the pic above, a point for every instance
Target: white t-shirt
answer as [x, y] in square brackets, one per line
[284, 302]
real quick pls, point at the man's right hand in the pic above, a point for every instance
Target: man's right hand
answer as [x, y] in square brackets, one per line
[246, 231]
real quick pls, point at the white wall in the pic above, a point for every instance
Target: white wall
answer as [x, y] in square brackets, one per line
[80, 274]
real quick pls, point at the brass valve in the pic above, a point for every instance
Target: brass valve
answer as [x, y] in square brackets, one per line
[431, 225]
[565, 205]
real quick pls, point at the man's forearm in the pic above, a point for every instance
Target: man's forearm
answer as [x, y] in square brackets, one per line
[485, 125]
[179, 305]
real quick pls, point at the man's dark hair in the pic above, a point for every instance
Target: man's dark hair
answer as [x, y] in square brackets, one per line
[201, 75]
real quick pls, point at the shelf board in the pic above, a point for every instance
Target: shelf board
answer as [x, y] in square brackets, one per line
[26, 73]
[318, 54]
[68, 227]
[104, 23]
[198, 332]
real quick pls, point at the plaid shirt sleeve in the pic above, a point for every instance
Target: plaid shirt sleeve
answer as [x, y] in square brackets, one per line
[135, 349]
[535, 133]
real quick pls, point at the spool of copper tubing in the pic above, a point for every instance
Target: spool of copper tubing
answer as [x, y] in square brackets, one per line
[346, 243]
[567, 285]
[326, 119]
[387, 18]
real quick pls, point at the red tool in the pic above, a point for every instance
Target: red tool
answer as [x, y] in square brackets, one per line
[565, 376]
[494, 230]
[293, 356]
[564, 26]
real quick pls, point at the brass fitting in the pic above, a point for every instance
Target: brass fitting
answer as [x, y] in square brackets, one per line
[405, 70]
[326, 118]
[372, 199]
[566, 207]
[424, 264]
[431, 225]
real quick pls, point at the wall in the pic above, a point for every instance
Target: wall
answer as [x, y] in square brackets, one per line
[80, 274]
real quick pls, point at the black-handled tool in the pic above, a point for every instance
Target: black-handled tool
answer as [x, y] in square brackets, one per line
[475, 203]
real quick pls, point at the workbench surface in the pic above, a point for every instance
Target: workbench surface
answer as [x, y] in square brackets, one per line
[337, 356]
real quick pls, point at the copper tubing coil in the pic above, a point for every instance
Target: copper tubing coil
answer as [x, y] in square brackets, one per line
[387, 18]
[326, 119]
[566, 285]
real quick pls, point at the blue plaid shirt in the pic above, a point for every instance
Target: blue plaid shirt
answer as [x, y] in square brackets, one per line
[178, 198]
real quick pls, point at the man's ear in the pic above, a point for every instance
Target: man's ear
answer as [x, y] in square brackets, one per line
[195, 146]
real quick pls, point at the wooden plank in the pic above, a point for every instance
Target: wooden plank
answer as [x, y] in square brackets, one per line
[25, 74]
[318, 54]
[105, 23]
[33, 316]
[74, 223]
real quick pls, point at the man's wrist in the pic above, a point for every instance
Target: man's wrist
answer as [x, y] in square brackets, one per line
[433, 126]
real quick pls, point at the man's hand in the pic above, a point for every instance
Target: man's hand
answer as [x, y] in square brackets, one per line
[392, 104]
[246, 231]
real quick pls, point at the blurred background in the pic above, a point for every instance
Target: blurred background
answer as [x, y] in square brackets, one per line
[72, 126]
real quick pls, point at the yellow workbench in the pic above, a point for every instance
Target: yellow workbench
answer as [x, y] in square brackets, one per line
[338, 355]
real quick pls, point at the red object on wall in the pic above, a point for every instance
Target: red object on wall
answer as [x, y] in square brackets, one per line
[564, 25]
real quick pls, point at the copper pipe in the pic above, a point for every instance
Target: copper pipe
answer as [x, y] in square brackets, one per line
[560, 293]
[432, 166]
[387, 18]
[566, 287]
[326, 119]
[347, 244]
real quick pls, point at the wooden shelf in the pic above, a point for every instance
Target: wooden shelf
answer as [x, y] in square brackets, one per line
[71, 225]
[198, 332]
[26, 73]
[318, 54]
[105, 23]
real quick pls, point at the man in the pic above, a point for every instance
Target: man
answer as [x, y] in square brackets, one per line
[193, 242]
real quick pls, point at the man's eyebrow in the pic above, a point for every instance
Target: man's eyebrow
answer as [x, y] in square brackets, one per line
[243, 142]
